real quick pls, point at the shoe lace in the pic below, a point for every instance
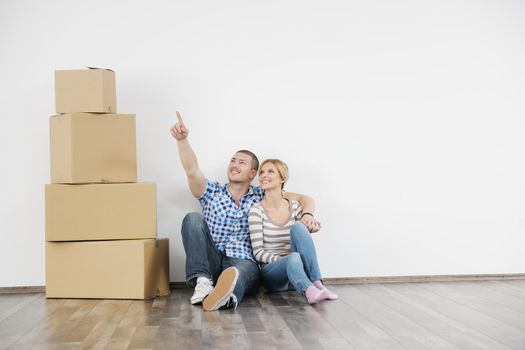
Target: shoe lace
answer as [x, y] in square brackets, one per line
[232, 302]
[202, 286]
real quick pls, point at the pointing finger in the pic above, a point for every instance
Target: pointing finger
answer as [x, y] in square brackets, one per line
[179, 117]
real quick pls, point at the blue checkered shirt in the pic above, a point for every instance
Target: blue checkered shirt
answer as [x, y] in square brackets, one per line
[227, 221]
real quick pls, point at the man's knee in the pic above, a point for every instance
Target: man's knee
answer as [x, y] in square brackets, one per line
[247, 266]
[249, 272]
[191, 222]
[194, 218]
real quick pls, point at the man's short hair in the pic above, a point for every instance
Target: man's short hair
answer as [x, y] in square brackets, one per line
[255, 161]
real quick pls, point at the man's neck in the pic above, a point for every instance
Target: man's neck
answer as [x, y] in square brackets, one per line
[237, 190]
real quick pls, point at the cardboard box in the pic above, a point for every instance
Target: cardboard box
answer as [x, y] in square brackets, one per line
[100, 211]
[93, 148]
[85, 90]
[131, 269]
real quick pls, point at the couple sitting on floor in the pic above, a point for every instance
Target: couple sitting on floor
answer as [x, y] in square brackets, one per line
[237, 218]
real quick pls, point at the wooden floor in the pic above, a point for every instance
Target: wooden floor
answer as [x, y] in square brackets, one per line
[445, 315]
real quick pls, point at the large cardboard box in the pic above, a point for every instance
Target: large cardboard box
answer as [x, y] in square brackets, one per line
[85, 90]
[93, 148]
[130, 269]
[100, 211]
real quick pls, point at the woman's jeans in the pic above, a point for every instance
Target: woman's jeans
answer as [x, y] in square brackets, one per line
[297, 270]
[204, 260]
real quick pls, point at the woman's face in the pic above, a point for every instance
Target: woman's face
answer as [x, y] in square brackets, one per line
[269, 177]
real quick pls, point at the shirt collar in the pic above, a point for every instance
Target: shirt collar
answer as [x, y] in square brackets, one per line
[250, 193]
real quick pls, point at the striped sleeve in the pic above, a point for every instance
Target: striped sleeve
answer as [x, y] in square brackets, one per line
[255, 220]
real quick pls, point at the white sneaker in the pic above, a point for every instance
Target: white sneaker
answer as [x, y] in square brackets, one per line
[222, 295]
[202, 289]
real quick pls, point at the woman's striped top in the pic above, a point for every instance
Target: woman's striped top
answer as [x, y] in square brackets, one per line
[271, 241]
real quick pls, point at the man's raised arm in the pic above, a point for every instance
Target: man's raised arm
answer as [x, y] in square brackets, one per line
[196, 179]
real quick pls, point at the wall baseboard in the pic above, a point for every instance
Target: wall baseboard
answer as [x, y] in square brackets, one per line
[424, 278]
[22, 290]
[337, 281]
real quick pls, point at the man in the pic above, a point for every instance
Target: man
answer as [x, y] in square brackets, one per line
[217, 242]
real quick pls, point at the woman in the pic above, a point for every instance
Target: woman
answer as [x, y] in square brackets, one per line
[280, 243]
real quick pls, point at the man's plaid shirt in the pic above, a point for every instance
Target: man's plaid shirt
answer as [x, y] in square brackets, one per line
[228, 223]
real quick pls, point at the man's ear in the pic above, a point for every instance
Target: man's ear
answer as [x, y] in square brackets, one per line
[253, 172]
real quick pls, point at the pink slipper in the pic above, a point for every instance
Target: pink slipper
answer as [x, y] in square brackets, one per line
[331, 295]
[314, 295]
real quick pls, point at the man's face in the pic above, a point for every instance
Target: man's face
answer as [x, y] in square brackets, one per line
[240, 168]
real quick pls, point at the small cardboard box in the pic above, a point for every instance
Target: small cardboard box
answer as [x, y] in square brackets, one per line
[85, 90]
[131, 269]
[100, 211]
[93, 148]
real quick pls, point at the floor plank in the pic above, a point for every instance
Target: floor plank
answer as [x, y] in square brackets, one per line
[275, 326]
[55, 328]
[359, 331]
[468, 317]
[517, 283]
[488, 292]
[11, 303]
[97, 327]
[18, 324]
[507, 288]
[423, 314]
[405, 331]
[493, 304]
[440, 315]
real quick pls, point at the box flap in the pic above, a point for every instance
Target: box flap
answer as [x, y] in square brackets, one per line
[111, 70]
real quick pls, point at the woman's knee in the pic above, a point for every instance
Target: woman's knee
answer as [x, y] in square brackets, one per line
[299, 231]
[294, 260]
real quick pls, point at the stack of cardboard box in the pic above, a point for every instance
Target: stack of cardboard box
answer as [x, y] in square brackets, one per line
[101, 225]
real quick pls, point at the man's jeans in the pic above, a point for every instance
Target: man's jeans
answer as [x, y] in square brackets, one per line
[204, 260]
[298, 269]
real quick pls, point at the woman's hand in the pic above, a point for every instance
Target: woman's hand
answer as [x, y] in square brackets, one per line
[311, 224]
[316, 226]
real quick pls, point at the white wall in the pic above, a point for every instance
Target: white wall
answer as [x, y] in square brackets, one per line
[404, 119]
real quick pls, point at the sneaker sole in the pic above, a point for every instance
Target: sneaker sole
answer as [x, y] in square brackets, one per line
[223, 289]
[196, 301]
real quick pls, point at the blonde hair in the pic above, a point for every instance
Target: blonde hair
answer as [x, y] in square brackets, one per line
[281, 167]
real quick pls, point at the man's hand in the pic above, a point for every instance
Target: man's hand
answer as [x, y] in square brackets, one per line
[196, 179]
[179, 131]
[311, 224]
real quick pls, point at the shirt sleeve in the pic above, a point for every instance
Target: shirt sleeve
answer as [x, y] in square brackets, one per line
[259, 191]
[207, 196]
[255, 221]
